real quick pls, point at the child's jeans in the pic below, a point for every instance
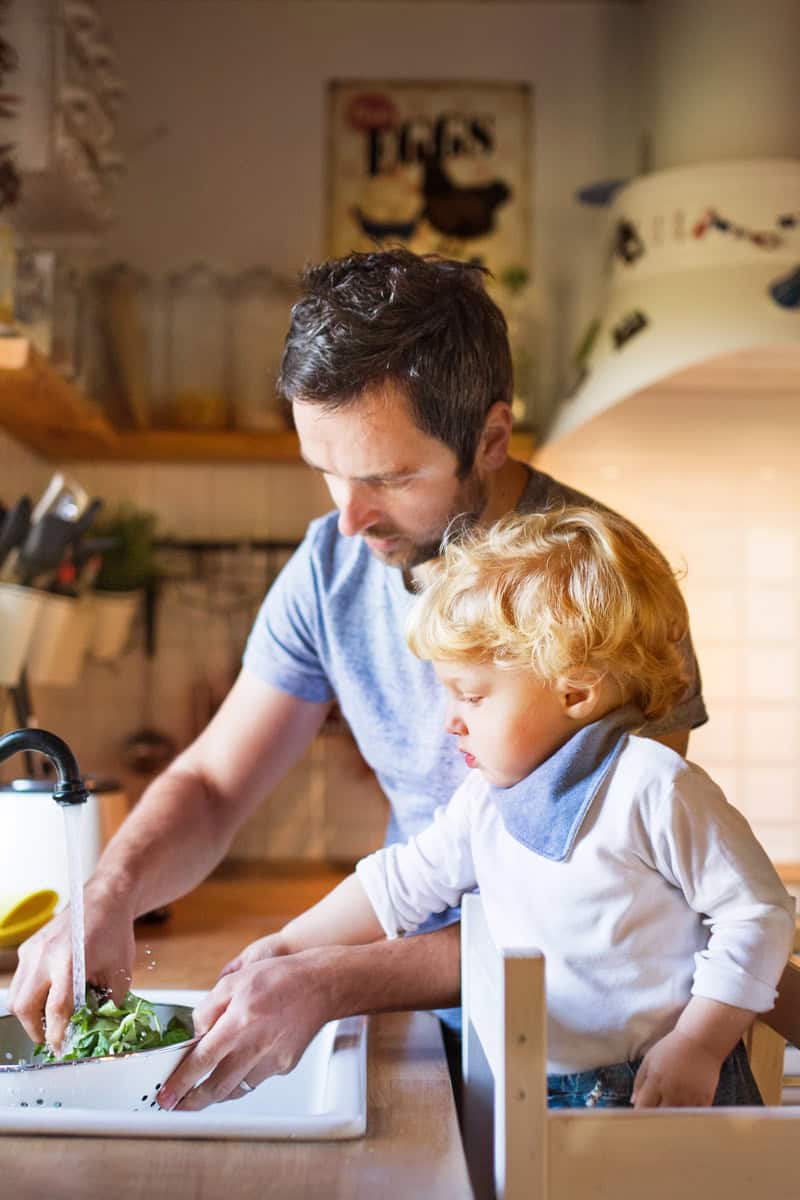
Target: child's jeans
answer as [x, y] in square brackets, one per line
[611, 1087]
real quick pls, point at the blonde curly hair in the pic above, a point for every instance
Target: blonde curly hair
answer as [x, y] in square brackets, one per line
[574, 593]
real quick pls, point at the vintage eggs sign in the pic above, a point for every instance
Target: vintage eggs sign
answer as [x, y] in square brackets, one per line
[436, 167]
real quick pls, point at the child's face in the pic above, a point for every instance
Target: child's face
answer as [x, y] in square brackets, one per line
[507, 721]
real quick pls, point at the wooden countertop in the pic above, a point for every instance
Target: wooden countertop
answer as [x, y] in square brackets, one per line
[412, 1147]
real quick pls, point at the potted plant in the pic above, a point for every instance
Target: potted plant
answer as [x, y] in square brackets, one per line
[126, 570]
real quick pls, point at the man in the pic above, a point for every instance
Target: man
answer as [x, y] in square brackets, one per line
[398, 371]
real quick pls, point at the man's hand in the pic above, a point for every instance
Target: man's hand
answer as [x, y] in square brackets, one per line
[255, 1022]
[40, 994]
[677, 1072]
[268, 1005]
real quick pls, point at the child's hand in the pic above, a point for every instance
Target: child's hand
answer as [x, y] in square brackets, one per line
[677, 1072]
[271, 946]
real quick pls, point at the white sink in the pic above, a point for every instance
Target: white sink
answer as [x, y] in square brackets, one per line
[323, 1098]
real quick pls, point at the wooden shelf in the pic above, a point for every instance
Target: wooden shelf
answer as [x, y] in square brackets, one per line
[222, 445]
[44, 412]
[55, 419]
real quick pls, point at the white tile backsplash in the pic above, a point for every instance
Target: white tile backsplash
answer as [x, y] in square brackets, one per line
[770, 554]
[771, 613]
[771, 673]
[722, 670]
[770, 734]
[708, 543]
[718, 740]
[728, 507]
[781, 841]
[769, 793]
[717, 609]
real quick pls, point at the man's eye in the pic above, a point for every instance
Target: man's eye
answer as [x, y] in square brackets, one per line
[393, 484]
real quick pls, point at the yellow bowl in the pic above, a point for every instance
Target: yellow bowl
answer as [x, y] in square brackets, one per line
[20, 916]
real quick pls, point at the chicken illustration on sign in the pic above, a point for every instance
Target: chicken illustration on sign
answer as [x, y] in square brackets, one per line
[437, 167]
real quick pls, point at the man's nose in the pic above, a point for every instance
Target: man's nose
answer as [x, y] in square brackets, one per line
[356, 510]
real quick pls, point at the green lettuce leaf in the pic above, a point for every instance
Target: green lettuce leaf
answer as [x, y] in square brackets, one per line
[99, 1028]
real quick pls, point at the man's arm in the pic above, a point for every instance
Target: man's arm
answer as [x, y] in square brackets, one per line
[185, 821]
[178, 832]
[259, 1019]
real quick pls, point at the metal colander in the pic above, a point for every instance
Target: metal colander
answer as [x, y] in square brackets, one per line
[120, 1081]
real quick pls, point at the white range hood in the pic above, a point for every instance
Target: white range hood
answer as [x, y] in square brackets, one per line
[706, 262]
[705, 246]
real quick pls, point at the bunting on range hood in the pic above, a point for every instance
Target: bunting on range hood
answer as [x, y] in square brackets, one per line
[705, 261]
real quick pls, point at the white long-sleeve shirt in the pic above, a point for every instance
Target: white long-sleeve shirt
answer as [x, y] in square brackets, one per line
[665, 894]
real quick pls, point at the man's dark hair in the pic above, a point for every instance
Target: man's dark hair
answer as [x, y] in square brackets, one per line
[424, 323]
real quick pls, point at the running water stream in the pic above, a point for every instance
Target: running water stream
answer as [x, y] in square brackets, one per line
[73, 823]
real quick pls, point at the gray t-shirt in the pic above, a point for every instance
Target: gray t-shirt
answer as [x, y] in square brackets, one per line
[332, 626]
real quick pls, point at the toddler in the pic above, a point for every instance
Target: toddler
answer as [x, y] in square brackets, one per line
[663, 924]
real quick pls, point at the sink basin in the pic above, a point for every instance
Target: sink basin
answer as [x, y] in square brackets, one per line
[323, 1098]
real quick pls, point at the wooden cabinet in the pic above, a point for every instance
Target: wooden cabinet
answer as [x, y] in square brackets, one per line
[55, 419]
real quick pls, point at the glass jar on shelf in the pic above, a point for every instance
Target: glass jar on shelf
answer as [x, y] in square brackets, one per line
[69, 287]
[8, 270]
[126, 296]
[34, 287]
[260, 309]
[197, 348]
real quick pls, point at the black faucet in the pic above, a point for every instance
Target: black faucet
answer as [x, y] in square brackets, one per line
[69, 788]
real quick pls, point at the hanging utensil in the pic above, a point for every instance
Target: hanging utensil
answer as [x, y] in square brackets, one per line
[87, 556]
[64, 497]
[87, 518]
[44, 547]
[13, 533]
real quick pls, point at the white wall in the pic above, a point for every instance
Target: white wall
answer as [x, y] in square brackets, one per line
[720, 79]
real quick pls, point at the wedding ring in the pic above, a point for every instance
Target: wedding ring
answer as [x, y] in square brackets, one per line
[246, 1087]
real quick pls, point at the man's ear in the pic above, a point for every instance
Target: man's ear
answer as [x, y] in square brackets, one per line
[579, 697]
[495, 437]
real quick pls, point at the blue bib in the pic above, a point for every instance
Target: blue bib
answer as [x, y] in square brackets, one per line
[546, 809]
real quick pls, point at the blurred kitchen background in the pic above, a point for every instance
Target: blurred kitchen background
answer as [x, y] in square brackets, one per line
[208, 194]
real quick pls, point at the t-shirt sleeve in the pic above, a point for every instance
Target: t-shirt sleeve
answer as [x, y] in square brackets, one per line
[284, 646]
[705, 847]
[407, 882]
[690, 711]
